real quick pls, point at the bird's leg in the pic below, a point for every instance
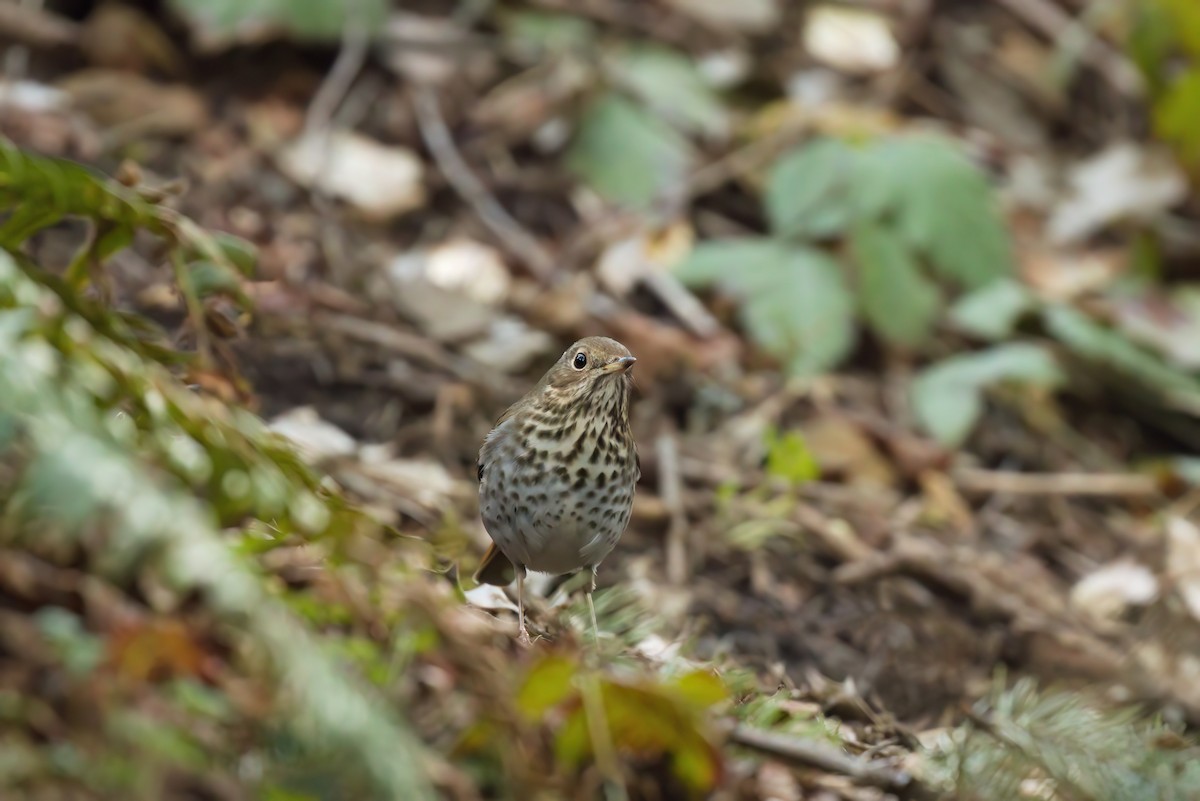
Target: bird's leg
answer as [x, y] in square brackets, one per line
[522, 632]
[587, 591]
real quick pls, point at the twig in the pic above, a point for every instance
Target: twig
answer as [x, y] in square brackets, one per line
[1120, 485]
[445, 153]
[680, 301]
[670, 484]
[1057, 25]
[349, 62]
[318, 121]
[35, 27]
[823, 757]
[411, 346]
[838, 536]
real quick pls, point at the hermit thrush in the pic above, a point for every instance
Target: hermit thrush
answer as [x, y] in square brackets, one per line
[556, 474]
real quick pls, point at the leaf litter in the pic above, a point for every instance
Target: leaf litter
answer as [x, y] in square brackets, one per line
[899, 476]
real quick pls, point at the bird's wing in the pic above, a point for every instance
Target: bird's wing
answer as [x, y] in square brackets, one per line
[494, 437]
[495, 568]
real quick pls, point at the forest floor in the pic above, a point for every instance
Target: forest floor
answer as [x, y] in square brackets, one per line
[805, 536]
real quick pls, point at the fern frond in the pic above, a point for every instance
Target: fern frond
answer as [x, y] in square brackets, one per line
[1078, 750]
[78, 462]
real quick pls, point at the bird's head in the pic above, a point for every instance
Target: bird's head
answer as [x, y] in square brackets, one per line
[591, 365]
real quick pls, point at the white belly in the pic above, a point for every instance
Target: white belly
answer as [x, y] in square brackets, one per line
[556, 529]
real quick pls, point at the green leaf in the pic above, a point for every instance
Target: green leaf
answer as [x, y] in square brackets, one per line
[240, 254]
[1104, 347]
[1177, 116]
[80, 462]
[1150, 39]
[41, 191]
[24, 223]
[208, 279]
[992, 312]
[625, 153]
[114, 239]
[795, 302]
[876, 191]
[647, 721]
[947, 396]
[539, 31]
[789, 458]
[808, 190]
[669, 84]
[942, 205]
[549, 682]
[221, 23]
[702, 688]
[733, 264]
[900, 303]
[1181, 18]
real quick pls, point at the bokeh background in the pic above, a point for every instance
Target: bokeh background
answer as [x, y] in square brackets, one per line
[913, 287]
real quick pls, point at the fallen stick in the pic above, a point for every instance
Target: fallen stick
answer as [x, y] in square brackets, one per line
[996, 482]
[823, 757]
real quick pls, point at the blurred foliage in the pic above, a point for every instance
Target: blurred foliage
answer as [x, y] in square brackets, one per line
[103, 435]
[114, 467]
[789, 458]
[162, 501]
[795, 301]
[947, 397]
[1023, 742]
[625, 153]
[916, 216]
[633, 140]
[599, 718]
[218, 23]
[1164, 42]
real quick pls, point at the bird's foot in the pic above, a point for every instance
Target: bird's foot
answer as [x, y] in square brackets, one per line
[523, 636]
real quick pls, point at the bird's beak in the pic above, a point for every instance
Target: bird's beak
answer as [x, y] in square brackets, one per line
[620, 365]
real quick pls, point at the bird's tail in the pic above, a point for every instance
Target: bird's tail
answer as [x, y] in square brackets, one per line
[495, 568]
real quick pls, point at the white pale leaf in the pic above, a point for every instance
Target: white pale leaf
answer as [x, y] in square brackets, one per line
[1183, 561]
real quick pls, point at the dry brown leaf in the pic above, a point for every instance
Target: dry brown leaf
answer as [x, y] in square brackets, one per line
[131, 106]
[120, 36]
[156, 650]
[842, 449]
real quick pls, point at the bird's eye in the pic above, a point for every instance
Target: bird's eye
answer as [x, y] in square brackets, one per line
[580, 361]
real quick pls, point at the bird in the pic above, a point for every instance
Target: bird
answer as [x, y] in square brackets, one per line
[558, 470]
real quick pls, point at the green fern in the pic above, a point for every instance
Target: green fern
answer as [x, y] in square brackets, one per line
[1022, 737]
[82, 457]
[37, 192]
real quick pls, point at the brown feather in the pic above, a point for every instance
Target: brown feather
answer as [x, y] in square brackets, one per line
[495, 568]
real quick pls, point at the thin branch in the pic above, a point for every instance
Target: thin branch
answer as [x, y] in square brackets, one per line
[519, 242]
[823, 757]
[1117, 485]
[670, 483]
[356, 40]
